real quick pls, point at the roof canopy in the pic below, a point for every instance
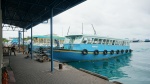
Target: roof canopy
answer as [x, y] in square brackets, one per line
[22, 13]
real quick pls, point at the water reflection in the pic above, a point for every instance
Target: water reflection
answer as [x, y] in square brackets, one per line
[111, 68]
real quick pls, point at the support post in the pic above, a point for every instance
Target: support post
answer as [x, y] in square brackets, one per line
[19, 40]
[23, 41]
[1, 50]
[31, 41]
[51, 38]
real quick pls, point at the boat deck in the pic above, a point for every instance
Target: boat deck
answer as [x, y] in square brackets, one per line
[27, 71]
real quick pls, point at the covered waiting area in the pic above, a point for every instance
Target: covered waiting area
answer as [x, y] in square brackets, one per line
[28, 13]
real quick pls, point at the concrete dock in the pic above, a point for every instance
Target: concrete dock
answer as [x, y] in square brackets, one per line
[29, 71]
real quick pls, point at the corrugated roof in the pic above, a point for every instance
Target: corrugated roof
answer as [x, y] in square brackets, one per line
[23, 13]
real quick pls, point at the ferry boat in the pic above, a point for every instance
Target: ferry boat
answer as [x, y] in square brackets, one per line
[90, 48]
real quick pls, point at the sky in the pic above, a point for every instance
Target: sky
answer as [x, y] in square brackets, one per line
[111, 18]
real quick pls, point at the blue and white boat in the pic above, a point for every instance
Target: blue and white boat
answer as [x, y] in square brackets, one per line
[90, 48]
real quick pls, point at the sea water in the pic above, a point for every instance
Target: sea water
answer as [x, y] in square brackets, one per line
[127, 69]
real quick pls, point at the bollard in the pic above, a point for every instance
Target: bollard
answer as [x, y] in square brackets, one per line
[60, 66]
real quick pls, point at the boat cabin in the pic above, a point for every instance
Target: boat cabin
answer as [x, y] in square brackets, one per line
[92, 42]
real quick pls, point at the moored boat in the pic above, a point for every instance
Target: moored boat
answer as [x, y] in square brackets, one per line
[135, 41]
[91, 47]
[147, 40]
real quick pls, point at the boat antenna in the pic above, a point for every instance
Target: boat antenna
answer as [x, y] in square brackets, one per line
[68, 30]
[62, 31]
[82, 28]
[93, 29]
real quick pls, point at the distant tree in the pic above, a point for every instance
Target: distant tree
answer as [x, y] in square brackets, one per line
[5, 40]
[27, 38]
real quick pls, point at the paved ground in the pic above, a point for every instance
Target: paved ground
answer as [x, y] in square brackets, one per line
[29, 71]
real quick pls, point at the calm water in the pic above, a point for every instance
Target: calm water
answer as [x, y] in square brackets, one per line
[128, 69]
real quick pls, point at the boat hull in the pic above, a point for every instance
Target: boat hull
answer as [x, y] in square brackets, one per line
[72, 55]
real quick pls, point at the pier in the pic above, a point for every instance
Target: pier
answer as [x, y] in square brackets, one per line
[30, 71]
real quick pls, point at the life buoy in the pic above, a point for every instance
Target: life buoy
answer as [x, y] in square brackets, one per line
[117, 52]
[130, 50]
[105, 52]
[112, 52]
[96, 52]
[126, 51]
[84, 51]
[122, 51]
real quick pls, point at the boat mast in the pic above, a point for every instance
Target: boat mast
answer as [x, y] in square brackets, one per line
[68, 30]
[62, 31]
[82, 28]
[93, 29]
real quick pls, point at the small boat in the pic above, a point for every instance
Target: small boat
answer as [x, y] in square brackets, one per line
[90, 48]
[135, 41]
[147, 40]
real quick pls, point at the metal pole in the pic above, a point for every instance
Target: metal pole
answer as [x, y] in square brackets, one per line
[51, 38]
[31, 40]
[23, 41]
[19, 40]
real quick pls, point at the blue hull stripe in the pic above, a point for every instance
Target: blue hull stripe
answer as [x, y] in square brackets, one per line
[71, 55]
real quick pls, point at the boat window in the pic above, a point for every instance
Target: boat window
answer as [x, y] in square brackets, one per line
[89, 40]
[67, 40]
[100, 41]
[104, 40]
[116, 42]
[113, 43]
[119, 42]
[110, 42]
[84, 40]
[123, 43]
[77, 40]
[95, 41]
[127, 43]
[107, 41]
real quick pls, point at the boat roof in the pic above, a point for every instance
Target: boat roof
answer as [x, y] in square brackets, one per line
[96, 36]
[47, 37]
